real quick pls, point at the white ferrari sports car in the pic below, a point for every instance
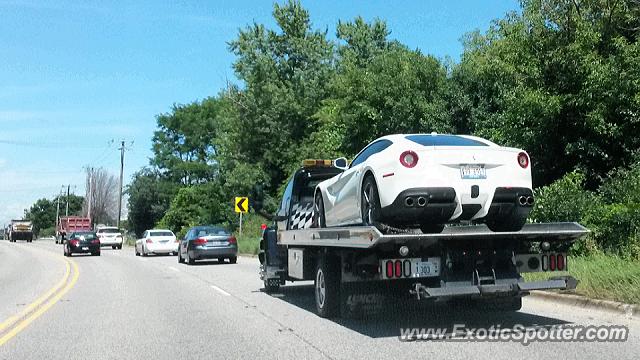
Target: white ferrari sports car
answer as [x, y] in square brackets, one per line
[428, 180]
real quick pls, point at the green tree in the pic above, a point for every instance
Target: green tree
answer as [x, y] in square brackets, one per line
[149, 199]
[560, 80]
[285, 74]
[183, 145]
[43, 212]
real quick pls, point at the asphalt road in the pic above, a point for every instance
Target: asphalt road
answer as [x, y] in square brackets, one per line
[128, 307]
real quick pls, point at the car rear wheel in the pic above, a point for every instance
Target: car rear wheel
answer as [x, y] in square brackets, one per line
[511, 222]
[319, 220]
[137, 253]
[233, 259]
[180, 259]
[431, 228]
[189, 260]
[370, 203]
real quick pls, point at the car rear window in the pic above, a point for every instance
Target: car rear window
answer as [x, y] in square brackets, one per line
[444, 140]
[109, 231]
[161, 233]
[85, 236]
[212, 231]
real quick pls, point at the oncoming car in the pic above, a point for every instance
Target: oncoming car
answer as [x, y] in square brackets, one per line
[157, 242]
[82, 242]
[428, 180]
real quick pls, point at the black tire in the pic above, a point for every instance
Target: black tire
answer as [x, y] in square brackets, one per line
[512, 222]
[136, 250]
[370, 203]
[431, 228]
[233, 259]
[319, 220]
[189, 260]
[180, 259]
[114, 247]
[221, 260]
[326, 286]
[507, 304]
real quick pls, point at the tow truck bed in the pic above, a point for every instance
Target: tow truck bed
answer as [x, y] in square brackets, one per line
[365, 237]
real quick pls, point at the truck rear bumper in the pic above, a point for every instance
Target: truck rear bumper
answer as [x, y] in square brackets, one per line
[500, 289]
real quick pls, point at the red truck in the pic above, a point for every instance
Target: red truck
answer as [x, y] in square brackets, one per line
[71, 224]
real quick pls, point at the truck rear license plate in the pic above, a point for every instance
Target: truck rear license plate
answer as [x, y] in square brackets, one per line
[410, 268]
[473, 172]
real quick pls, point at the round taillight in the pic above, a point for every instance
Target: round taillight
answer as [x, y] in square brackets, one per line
[409, 159]
[523, 160]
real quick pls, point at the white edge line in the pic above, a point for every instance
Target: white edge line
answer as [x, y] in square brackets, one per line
[220, 290]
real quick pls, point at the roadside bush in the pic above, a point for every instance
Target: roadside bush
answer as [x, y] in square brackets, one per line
[564, 200]
[46, 232]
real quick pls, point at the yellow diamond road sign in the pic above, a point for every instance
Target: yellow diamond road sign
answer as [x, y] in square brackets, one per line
[242, 204]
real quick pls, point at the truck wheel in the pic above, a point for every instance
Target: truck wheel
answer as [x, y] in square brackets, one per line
[370, 202]
[327, 287]
[319, 221]
[507, 304]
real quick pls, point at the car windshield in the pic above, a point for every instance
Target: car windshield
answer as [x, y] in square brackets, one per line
[161, 233]
[84, 236]
[444, 140]
[211, 231]
[109, 231]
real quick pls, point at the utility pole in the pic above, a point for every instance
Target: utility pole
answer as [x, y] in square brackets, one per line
[90, 192]
[120, 188]
[68, 190]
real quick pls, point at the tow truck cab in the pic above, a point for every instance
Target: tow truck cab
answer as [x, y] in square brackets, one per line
[360, 262]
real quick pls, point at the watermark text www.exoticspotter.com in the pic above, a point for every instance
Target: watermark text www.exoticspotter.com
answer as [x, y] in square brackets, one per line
[519, 333]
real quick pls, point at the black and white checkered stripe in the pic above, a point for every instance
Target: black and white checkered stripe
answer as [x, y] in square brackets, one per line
[301, 216]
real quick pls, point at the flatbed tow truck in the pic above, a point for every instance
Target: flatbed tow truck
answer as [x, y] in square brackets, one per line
[359, 267]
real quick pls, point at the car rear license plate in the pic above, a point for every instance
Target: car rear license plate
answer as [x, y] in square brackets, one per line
[410, 268]
[85, 248]
[473, 172]
[164, 241]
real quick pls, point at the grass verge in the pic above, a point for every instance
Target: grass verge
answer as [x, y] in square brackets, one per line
[602, 277]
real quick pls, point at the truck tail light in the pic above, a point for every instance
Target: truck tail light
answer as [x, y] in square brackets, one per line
[398, 268]
[200, 241]
[409, 159]
[560, 262]
[523, 160]
[389, 266]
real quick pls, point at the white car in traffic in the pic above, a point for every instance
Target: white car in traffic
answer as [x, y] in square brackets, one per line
[157, 241]
[428, 180]
[110, 236]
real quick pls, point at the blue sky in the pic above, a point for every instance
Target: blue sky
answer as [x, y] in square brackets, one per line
[78, 77]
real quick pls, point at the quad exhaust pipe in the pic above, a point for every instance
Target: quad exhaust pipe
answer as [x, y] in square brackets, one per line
[421, 201]
[525, 200]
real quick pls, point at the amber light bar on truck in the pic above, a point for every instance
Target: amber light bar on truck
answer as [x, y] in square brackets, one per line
[316, 162]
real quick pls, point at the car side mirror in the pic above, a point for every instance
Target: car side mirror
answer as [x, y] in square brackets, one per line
[341, 163]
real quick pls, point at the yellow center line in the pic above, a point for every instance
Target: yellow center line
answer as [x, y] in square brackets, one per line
[37, 302]
[41, 309]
